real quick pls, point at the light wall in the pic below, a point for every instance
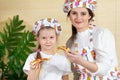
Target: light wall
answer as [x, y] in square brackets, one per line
[107, 15]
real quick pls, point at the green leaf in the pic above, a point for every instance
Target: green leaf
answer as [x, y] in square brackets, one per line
[19, 28]
[17, 44]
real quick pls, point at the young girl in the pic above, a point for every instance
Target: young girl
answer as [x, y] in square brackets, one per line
[93, 52]
[57, 66]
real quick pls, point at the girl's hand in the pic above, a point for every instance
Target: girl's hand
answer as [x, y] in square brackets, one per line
[35, 66]
[34, 71]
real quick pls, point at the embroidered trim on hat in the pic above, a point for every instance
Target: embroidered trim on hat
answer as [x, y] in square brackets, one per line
[47, 22]
[69, 4]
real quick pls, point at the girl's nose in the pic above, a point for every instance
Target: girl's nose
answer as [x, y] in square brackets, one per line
[47, 41]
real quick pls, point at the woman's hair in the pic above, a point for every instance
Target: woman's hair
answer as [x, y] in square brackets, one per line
[38, 56]
[74, 31]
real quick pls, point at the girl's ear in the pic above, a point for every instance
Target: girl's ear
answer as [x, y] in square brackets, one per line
[36, 38]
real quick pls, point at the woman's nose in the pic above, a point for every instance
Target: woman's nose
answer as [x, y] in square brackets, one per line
[78, 16]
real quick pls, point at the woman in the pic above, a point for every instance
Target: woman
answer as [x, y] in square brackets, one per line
[93, 54]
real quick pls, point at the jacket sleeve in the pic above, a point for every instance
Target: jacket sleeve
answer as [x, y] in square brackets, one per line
[104, 46]
[26, 66]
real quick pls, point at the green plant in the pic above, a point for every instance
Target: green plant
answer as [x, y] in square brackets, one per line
[15, 45]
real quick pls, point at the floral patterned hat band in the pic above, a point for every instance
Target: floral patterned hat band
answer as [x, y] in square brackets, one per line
[47, 22]
[69, 4]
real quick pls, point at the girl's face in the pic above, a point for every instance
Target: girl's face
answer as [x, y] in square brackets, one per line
[79, 18]
[47, 39]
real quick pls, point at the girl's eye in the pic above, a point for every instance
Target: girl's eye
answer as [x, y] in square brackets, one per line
[74, 13]
[83, 13]
[43, 38]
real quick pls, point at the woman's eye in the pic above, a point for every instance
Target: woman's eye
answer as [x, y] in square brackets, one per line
[83, 13]
[51, 37]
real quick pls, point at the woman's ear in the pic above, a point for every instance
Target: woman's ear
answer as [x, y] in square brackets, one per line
[89, 17]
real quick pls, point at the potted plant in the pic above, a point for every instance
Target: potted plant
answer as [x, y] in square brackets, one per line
[15, 45]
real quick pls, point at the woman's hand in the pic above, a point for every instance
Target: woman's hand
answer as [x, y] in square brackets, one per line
[78, 59]
[74, 57]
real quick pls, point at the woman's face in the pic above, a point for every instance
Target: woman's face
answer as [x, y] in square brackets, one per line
[47, 39]
[79, 18]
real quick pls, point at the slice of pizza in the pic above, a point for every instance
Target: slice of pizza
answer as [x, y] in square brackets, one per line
[64, 48]
[39, 60]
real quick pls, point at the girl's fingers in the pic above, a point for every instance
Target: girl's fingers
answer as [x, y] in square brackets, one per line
[35, 66]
